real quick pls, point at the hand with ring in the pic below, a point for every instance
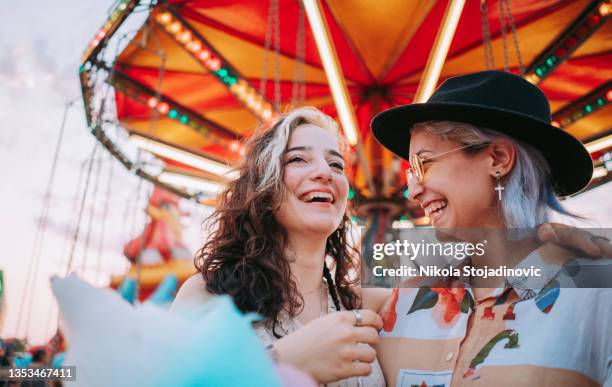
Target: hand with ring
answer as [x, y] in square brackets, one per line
[331, 348]
[358, 317]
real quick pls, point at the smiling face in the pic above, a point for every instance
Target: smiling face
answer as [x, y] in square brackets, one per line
[457, 189]
[316, 188]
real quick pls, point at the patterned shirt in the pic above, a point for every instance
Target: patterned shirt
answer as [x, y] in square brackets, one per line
[508, 336]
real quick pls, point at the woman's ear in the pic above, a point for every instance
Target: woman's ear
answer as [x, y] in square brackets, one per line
[502, 155]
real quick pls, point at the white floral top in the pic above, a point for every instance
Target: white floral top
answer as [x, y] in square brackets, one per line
[289, 325]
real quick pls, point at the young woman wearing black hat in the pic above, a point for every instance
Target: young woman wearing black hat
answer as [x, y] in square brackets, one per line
[484, 156]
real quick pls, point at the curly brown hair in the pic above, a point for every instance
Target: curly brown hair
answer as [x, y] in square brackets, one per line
[245, 256]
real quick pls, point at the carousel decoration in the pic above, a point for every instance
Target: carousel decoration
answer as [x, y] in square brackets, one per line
[198, 76]
[158, 253]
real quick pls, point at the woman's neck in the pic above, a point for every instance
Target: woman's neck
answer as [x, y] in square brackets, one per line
[307, 256]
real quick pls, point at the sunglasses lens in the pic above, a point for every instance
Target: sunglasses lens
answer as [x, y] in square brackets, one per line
[409, 176]
[417, 168]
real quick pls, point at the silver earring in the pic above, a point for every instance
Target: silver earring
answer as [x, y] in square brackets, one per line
[499, 187]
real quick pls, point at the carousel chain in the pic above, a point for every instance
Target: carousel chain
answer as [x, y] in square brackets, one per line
[277, 55]
[105, 214]
[515, 39]
[502, 23]
[298, 93]
[158, 93]
[73, 212]
[94, 196]
[486, 36]
[267, 44]
[42, 223]
[142, 239]
[129, 202]
[81, 208]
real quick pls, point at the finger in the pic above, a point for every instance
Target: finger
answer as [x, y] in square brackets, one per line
[363, 353]
[569, 237]
[605, 247]
[368, 318]
[546, 232]
[367, 335]
[359, 368]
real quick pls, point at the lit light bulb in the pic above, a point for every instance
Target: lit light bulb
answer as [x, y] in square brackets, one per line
[195, 46]
[250, 101]
[267, 112]
[152, 102]
[214, 64]
[257, 105]
[174, 27]
[164, 18]
[185, 37]
[243, 92]
[163, 108]
[203, 55]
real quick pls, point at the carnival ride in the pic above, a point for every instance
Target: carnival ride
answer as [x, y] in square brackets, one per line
[199, 76]
[174, 99]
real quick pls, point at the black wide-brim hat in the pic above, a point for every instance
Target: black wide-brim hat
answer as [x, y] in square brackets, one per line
[499, 101]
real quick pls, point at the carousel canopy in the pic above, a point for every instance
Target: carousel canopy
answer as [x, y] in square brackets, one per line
[199, 76]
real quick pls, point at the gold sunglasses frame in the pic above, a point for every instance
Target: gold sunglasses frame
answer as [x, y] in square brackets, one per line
[416, 162]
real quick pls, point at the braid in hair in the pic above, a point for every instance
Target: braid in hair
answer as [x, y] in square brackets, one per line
[330, 285]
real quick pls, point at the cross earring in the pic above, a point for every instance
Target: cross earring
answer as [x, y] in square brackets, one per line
[499, 187]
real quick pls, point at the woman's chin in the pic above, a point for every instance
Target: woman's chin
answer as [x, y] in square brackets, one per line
[321, 226]
[442, 219]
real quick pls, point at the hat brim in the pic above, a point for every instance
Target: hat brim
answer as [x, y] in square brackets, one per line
[570, 162]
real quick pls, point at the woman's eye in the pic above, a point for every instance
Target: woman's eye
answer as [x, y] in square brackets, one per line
[337, 166]
[295, 159]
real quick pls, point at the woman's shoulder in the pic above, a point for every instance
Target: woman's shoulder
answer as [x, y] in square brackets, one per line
[192, 293]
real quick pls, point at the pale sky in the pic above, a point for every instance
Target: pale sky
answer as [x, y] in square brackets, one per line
[40, 48]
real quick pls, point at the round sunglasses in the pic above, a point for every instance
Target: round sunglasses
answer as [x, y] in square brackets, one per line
[416, 161]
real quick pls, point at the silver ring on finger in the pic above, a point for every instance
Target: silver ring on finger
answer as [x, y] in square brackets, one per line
[595, 238]
[358, 317]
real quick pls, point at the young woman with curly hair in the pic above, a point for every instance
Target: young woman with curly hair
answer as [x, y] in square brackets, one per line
[279, 247]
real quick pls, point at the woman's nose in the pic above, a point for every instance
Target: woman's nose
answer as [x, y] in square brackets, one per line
[322, 171]
[414, 188]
